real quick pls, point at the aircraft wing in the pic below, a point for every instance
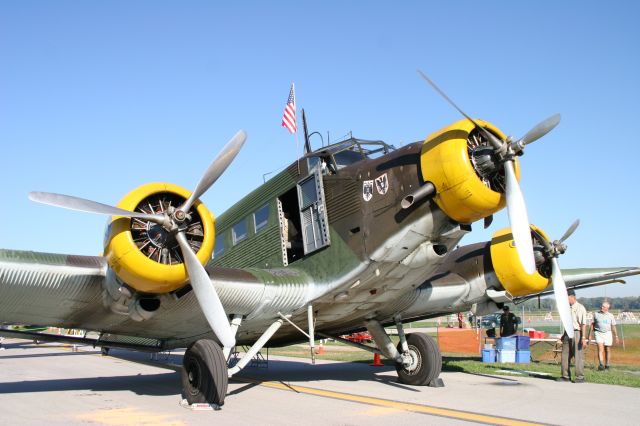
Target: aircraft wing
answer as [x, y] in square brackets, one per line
[581, 278]
[49, 289]
[76, 292]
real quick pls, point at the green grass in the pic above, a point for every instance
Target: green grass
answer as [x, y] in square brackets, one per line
[627, 374]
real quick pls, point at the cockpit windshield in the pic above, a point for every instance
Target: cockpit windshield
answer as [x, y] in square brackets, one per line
[350, 151]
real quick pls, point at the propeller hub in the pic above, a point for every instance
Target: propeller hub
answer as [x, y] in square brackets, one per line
[179, 215]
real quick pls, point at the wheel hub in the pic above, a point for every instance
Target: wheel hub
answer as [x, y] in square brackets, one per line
[412, 360]
[194, 376]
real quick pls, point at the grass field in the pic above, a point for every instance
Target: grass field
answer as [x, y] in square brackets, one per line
[625, 368]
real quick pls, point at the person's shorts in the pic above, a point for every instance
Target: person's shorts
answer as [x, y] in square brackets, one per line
[604, 338]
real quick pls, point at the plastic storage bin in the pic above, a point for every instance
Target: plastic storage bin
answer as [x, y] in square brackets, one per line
[488, 355]
[506, 343]
[522, 343]
[505, 355]
[523, 357]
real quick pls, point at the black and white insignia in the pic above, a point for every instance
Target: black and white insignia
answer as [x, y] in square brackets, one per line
[367, 189]
[382, 184]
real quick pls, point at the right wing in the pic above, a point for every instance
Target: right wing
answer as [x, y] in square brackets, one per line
[581, 278]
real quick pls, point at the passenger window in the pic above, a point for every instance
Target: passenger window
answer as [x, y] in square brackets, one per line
[239, 231]
[261, 218]
[219, 245]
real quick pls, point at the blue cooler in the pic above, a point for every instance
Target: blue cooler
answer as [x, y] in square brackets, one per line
[523, 357]
[506, 343]
[505, 355]
[488, 355]
[522, 343]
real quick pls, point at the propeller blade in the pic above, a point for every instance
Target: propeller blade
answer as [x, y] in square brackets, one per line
[206, 294]
[488, 221]
[497, 143]
[562, 300]
[570, 231]
[216, 168]
[88, 206]
[518, 219]
[540, 129]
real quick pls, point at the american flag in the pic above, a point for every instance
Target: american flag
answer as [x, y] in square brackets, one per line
[289, 117]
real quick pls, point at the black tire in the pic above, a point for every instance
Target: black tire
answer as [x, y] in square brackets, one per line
[426, 360]
[204, 373]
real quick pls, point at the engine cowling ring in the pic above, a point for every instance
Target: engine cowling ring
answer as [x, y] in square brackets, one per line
[136, 269]
[509, 270]
[445, 162]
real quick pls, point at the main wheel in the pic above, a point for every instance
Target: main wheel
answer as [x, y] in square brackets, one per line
[426, 361]
[204, 373]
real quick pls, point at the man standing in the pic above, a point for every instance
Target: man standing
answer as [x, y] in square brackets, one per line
[604, 323]
[573, 346]
[508, 323]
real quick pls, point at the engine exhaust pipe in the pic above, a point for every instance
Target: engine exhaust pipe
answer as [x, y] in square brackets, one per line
[426, 190]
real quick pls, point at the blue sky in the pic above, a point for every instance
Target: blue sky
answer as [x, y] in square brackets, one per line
[97, 98]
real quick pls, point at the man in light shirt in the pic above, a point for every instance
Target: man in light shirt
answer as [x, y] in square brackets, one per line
[573, 346]
[604, 324]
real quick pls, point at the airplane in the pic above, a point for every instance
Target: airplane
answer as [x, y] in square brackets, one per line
[355, 235]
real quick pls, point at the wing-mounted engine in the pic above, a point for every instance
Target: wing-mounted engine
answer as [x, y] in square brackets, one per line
[460, 162]
[508, 268]
[145, 255]
[159, 238]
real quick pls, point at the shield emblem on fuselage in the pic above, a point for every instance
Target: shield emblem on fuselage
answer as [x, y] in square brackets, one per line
[382, 184]
[367, 189]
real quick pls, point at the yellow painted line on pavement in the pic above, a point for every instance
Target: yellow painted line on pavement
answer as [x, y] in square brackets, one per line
[406, 406]
[385, 403]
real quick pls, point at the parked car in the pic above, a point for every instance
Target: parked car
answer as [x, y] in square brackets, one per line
[493, 320]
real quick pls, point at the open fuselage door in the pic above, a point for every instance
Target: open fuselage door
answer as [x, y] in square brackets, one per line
[313, 213]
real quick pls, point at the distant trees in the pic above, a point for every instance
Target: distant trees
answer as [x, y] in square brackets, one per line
[631, 303]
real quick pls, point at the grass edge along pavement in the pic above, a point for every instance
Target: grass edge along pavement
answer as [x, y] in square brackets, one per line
[623, 375]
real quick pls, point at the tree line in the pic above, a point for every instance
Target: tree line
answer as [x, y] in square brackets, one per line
[631, 303]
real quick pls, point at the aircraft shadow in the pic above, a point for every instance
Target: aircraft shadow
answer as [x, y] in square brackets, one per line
[47, 355]
[292, 371]
[142, 384]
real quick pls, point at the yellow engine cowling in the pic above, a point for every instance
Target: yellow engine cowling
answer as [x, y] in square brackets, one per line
[131, 265]
[509, 270]
[445, 162]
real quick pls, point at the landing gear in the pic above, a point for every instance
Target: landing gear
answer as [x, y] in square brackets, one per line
[424, 361]
[204, 373]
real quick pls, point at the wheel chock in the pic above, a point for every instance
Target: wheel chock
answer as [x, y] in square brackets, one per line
[199, 406]
[436, 383]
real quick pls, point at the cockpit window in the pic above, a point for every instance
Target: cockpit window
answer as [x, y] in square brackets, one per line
[348, 152]
[348, 157]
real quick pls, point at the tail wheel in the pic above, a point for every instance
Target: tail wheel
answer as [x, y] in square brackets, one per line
[426, 361]
[204, 373]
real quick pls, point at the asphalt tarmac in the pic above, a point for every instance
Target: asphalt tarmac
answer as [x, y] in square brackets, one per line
[51, 384]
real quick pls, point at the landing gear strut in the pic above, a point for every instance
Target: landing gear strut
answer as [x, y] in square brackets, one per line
[204, 373]
[418, 359]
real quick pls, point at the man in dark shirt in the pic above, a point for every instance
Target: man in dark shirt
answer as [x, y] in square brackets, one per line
[508, 323]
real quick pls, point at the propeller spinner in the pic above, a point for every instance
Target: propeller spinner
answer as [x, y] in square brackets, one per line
[174, 221]
[505, 153]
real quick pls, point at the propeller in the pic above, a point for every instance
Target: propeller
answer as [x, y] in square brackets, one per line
[88, 206]
[216, 168]
[174, 221]
[552, 251]
[505, 153]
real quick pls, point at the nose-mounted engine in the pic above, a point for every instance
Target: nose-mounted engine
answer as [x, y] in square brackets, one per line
[462, 165]
[145, 255]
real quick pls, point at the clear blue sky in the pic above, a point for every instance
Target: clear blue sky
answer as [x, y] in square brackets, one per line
[97, 98]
